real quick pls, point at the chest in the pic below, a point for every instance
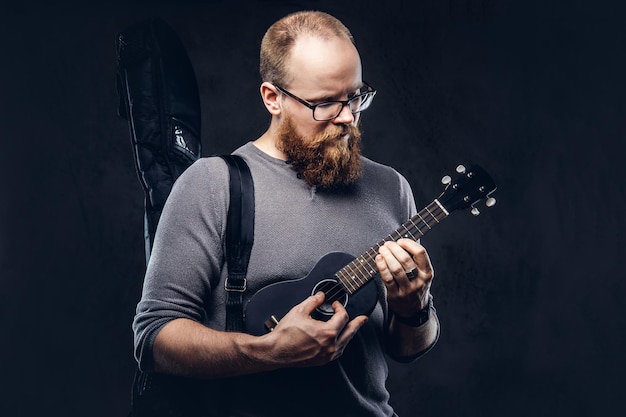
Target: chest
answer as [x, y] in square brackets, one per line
[296, 226]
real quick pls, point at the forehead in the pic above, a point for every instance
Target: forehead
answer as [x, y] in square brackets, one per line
[318, 65]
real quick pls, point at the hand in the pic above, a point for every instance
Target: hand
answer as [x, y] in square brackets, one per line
[300, 340]
[405, 295]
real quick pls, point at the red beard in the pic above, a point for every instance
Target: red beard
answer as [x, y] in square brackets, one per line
[325, 160]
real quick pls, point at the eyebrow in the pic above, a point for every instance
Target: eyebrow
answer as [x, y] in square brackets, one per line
[351, 93]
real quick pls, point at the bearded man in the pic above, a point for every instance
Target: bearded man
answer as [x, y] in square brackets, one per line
[314, 194]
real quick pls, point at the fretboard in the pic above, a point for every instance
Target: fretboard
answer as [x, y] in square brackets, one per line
[358, 272]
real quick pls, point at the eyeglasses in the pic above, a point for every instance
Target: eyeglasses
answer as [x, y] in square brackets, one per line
[329, 110]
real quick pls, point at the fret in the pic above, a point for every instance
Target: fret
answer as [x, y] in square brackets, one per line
[415, 226]
[354, 274]
[409, 233]
[347, 283]
[431, 214]
[364, 269]
[354, 285]
[442, 208]
[397, 233]
[423, 221]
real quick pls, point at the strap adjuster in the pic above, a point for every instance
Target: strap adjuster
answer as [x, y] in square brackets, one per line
[240, 287]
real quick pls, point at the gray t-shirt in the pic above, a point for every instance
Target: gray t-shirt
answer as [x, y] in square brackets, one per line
[295, 225]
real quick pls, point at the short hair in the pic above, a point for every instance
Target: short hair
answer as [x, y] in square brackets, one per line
[282, 35]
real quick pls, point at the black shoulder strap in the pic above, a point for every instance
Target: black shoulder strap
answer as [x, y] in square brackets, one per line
[239, 238]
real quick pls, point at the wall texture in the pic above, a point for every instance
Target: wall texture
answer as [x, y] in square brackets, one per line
[530, 294]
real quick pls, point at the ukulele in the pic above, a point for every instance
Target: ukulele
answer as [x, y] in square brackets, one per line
[350, 280]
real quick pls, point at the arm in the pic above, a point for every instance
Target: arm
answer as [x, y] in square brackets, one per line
[185, 347]
[406, 297]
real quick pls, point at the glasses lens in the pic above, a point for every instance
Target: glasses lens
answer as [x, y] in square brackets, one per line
[331, 109]
[327, 111]
[361, 102]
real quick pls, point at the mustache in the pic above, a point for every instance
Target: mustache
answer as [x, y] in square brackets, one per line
[334, 133]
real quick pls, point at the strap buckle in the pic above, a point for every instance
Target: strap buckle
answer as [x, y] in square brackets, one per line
[238, 285]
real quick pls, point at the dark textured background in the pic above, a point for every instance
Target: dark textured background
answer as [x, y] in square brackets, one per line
[530, 294]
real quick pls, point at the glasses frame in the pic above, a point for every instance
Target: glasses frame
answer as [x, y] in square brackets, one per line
[370, 91]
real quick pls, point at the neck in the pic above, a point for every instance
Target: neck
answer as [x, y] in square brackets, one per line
[267, 143]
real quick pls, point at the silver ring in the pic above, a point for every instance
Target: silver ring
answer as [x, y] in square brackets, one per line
[411, 274]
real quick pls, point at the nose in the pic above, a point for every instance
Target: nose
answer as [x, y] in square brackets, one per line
[345, 116]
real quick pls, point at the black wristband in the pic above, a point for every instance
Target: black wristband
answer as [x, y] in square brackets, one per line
[418, 319]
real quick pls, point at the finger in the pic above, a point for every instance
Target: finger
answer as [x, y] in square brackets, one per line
[311, 303]
[418, 254]
[340, 316]
[350, 330]
[398, 261]
[354, 325]
[394, 265]
[402, 255]
[410, 246]
[384, 272]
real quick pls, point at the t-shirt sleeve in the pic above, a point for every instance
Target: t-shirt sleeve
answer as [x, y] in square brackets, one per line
[407, 201]
[187, 254]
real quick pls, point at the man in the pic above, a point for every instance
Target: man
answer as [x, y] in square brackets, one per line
[314, 194]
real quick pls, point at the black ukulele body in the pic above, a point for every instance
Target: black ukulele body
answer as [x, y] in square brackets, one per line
[270, 304]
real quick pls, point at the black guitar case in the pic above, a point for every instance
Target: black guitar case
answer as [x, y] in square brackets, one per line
[158, 95]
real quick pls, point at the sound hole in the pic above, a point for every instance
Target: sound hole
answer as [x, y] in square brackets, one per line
[334, 292]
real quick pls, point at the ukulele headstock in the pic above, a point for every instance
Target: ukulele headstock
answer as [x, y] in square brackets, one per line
[466, 188]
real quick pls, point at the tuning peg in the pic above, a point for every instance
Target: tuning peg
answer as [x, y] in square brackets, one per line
[446, 180]
[490, 202]
[460, 169]
[475, 211]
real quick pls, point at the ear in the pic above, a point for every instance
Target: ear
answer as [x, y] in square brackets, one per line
[270, 97]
